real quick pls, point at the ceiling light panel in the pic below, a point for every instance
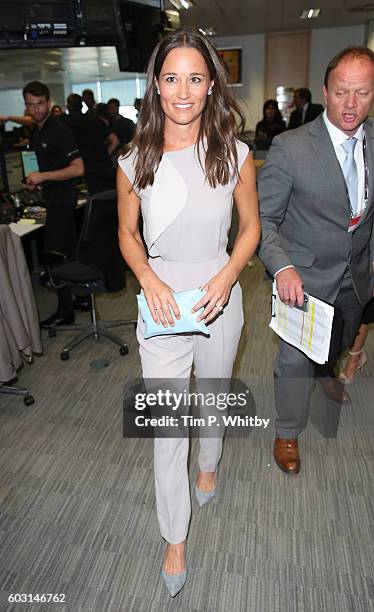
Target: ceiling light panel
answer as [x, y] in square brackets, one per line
[182, 4]
[310, 13]
[208, 31]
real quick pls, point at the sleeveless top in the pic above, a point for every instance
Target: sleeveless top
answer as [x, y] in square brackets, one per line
[185, 219]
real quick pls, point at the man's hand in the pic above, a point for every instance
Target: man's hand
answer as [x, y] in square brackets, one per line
[3, 118]
[290, 287]
[35, 178]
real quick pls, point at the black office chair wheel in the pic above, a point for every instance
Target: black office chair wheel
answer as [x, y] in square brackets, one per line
[52, 332]
[65, 355]
[28, 400]
[124, 350]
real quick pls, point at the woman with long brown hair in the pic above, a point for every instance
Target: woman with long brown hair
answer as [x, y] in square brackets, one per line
[183, 169]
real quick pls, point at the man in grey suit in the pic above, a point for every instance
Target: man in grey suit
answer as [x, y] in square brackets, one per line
[316, 193]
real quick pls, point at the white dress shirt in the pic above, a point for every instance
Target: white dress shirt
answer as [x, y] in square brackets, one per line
[338, 138]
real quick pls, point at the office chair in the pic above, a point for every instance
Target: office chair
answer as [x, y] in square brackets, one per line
[28, 399]
[99, 267]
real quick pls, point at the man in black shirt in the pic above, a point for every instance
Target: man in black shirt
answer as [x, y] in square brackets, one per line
[91, 134]
[123, 127]
[88, 98]
[59, 163]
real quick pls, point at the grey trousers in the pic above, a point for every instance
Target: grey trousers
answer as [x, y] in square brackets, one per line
[294, 373]
[171, 357]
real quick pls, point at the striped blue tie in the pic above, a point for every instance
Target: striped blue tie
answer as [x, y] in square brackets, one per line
[350, 172]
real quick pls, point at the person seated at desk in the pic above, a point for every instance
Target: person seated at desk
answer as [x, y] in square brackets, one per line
[271, 125]
[60, 163]
[305, 111]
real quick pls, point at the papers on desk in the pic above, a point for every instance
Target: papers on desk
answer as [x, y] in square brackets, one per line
[23, 229]
[309, 330]
[26, 221]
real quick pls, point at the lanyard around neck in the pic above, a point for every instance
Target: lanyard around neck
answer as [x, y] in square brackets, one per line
[366, 172]
[366, 181]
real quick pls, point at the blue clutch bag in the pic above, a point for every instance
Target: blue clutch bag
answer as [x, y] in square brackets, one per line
[186, 300]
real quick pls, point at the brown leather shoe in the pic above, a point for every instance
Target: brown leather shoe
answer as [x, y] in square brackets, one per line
[286, 455]
[335, 390]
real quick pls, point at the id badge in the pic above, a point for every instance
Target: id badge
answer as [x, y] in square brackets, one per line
[353, 222]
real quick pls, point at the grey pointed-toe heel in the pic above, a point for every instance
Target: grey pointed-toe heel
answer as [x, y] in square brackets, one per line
[204, 497]
[174, 582]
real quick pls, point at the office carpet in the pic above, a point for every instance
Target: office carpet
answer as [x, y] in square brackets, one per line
[77, 499]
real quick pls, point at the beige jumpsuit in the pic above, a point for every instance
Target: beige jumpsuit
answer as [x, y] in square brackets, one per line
[187, 248]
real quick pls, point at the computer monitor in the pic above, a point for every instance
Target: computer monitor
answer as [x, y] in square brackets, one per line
[29, 162]
[14, 170]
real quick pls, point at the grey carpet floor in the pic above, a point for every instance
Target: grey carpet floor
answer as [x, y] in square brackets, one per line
[77, 499]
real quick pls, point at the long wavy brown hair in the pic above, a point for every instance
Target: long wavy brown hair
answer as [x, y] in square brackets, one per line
[218, 121]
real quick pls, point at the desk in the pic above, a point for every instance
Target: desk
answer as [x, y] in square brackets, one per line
[24, 229]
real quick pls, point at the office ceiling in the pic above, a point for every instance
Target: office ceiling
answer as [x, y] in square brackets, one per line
[230, 17]
[233, 17]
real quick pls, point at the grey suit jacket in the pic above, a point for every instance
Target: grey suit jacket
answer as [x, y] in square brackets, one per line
[305, 213]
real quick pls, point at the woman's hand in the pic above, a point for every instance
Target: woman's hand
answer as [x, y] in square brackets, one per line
[160, 300]
[217, 295]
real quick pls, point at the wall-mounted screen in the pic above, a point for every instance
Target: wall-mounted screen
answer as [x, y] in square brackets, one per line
[142, 29]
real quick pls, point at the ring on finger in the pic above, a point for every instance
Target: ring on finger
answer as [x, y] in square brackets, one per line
[220, 308]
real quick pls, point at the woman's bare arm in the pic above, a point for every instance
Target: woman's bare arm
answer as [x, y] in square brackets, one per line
[219, 287]
[158, 295]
